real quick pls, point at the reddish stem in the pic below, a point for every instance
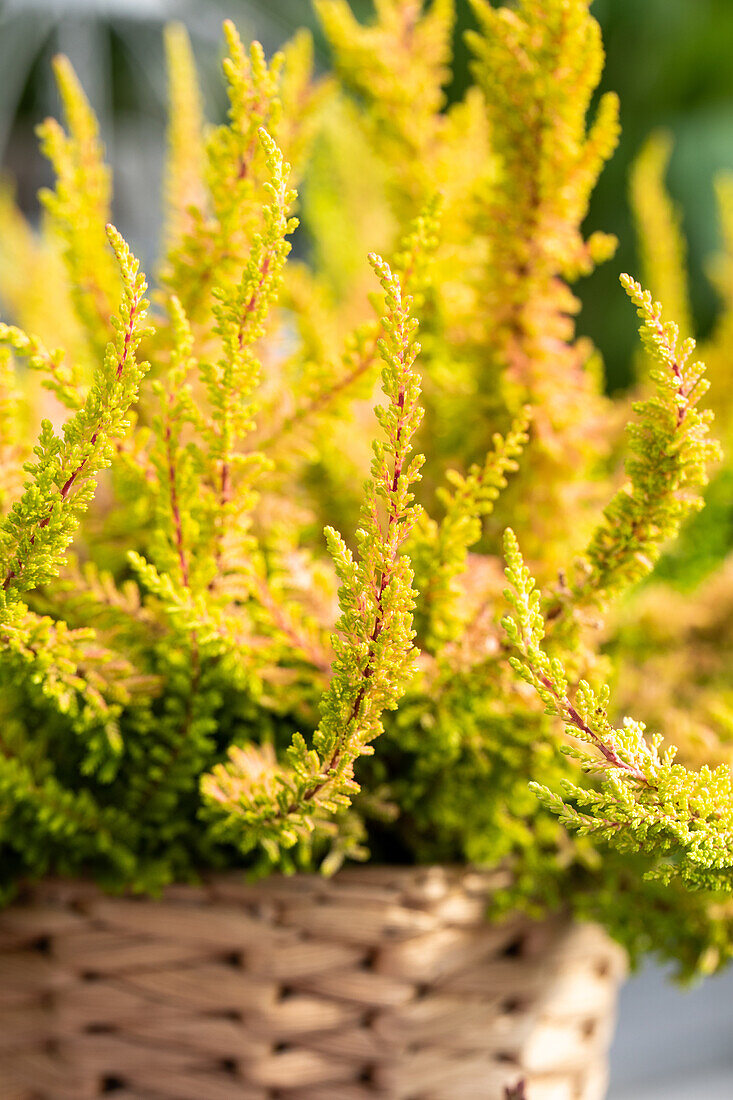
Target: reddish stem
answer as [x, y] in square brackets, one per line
[607, 751]
[385, 577]
[175, 508]
[676, 368]
[12, 574]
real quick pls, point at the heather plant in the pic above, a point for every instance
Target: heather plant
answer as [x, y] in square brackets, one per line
[672, 669]
[195, 675]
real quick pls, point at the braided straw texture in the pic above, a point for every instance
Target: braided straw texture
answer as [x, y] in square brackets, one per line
[376, 983]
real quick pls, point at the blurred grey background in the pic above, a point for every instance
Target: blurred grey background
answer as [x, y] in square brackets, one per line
[671, 62]
[672, 1043]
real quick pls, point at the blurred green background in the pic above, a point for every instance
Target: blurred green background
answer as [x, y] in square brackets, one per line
[671, 61]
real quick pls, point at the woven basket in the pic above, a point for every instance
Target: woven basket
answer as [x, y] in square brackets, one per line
[377, 983]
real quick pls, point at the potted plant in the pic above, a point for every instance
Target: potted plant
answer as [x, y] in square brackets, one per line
[205, 686]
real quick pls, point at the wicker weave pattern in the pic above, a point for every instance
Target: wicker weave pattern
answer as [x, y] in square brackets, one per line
[378, 983]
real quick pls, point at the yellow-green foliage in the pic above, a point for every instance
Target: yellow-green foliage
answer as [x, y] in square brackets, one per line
[80, 205]
[538, 66]
[185, 162]
[663, 251]
[718, 347]
[681, 819]
[211, 680]
[373, 650]
[398, 66]
[671, 453]
[658, 223]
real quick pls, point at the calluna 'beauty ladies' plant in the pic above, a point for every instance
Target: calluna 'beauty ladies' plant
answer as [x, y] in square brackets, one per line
[205, 679]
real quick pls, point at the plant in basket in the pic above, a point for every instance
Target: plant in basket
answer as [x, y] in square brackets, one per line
[253, 610]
